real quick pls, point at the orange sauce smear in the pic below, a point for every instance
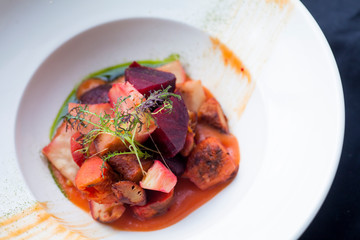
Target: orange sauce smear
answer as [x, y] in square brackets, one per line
[230, 59]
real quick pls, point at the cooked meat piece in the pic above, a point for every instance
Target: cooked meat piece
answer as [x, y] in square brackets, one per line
[106, 213]
[87, 85]
[193, 94]
[129, 192]
[211, 113]
[158, 203]
[127, 165]
[210, 164]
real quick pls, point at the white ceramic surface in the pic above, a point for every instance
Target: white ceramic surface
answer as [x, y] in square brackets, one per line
[290, 133]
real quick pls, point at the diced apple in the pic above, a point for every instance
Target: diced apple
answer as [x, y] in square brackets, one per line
[106, 213]
[58, 152]
[124, 90]
[172, 128]
[94, 179]
[175, 68]
[158, 203]
[129, 192]
[193, 94]
[76, 146]
[159, 178]
[146, 80]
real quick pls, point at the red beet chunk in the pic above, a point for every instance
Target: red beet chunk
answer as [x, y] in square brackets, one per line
[146, 79]
[172, 129]
[96, 95]
[176, 164]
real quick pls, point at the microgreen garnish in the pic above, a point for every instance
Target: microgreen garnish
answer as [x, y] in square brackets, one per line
[122, 124]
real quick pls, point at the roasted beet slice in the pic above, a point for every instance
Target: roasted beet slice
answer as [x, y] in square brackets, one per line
[147, 79]
[157, 203]
[96, 95]
[172, 128]
[176, 164]
[87, 85]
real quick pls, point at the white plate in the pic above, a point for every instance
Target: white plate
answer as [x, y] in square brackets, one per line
[290, 133]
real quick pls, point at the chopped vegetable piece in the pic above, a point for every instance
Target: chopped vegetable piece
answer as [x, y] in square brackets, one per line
[94, 179]
[96, 95]
[175, 68]
[59, 154]
[147, 80]
[99, 109]
[189, 143]
[193, 94]
[76, 146]
[128, 166]
[120, 91]
[172, 128]
[106, 213]
[211, 113]
[159, 178]
[158, 203]
[176, 164]
[87, 85]
[210, 164]
[129, 192]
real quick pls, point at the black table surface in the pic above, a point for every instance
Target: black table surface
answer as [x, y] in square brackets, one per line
[339, 216]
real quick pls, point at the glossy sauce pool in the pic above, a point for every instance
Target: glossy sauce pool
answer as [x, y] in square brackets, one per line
[187, 197]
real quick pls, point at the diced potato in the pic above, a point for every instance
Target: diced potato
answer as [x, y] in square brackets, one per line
[193, 94]
[106, 213]
[129, 192]
[58, 152]
[175, 68]
[211, 113]
[210, 164]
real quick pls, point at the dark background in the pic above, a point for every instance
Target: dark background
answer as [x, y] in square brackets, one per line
[339, 216]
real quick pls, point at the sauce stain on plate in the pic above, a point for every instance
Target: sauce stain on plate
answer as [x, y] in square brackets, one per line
[34, 223]
[281, 3]
[230, 59]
